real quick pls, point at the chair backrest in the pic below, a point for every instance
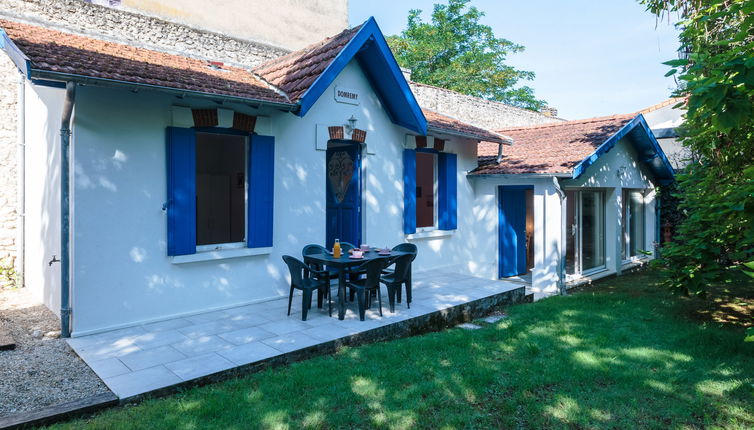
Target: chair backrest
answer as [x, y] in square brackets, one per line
[373, 269]
[345, 246]
[296, 267]
[406, 247]
[403, 266]
[313, 249]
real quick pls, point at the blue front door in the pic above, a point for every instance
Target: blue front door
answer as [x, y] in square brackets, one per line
[343, 194]
[512, 231]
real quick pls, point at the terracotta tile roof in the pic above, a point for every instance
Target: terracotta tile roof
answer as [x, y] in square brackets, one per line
[294, 73]
[56, 51]
[673, 101]
[439, 122]
[549, 148]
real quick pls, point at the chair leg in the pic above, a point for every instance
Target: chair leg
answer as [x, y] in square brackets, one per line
[379, 298]
[306, 304]
[351, 295]
[409, 289]
[398, 296]
[290, 299]
[319, 299]
[329, 299]
[362, 310]
[391, 296]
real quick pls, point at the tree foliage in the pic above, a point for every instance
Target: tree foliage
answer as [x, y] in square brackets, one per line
[456, 52]
[716, 72]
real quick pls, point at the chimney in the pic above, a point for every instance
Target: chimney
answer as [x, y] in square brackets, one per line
[406, 73]
[549, 111]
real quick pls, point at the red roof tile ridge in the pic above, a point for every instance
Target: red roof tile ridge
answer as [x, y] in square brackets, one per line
[661, 105]
[571, 122]
[309, 48]
[269, 85]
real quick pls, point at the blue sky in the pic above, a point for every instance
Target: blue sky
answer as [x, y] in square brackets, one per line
[591, 58]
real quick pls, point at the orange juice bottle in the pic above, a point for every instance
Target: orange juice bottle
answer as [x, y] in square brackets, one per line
[336, 249]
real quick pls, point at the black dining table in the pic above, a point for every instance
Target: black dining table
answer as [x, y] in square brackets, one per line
[344, 263]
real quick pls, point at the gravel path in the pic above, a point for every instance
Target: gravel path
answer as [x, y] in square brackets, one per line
[43, 370]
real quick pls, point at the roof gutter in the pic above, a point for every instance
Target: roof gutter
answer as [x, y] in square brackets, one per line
[87, 80]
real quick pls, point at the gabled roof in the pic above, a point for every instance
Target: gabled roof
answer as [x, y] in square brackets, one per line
[306, 74]
[570, 147]
[444, 124]
[41, 53]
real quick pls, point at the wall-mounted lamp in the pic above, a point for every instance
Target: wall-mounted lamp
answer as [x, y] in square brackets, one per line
[351, 124]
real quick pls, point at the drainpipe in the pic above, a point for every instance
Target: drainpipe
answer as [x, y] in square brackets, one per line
[65, 210]
[563, 238]
[21, 178]
[499, 153]
[658, 223]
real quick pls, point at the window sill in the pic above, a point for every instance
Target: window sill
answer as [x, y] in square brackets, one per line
[430, 234]
[220, 254]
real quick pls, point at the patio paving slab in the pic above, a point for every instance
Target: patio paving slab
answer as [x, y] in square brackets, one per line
[158, 355]
[195, 367]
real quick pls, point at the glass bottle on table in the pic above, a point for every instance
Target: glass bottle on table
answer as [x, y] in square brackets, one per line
[336, 249]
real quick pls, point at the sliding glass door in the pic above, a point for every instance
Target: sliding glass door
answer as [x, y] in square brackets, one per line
[592, 230]
[633, 223]
[585, 238]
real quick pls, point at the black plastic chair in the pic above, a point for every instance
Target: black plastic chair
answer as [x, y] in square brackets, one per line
[331, 273]
[364, 287]
[307, 280]
[345, 246]
[400, 275]
[404, 247]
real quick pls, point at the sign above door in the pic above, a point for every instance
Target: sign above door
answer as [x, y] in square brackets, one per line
[346, 95]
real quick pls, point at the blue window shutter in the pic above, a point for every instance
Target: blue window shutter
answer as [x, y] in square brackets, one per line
[409, 191]
[181, 207]
[261, 191]
[447, 206]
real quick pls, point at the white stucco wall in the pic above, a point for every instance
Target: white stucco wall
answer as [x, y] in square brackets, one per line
[122, 274]
[43, 110]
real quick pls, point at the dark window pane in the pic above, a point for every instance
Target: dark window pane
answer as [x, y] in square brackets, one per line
[220, 188]
[571, 231]
[425, 189]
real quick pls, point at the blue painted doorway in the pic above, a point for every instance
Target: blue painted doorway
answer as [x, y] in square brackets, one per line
[513, 244]
[343, 167]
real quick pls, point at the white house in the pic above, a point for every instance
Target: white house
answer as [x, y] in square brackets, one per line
[159, 185]
[576, 198]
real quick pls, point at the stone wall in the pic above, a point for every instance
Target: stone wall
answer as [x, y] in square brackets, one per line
[474, 110]
[305, 22]
[117, 25]
[8, 144]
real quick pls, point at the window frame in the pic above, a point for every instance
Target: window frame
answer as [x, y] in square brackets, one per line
[435, 190]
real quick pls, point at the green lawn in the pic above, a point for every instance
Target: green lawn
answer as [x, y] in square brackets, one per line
[620, 354]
